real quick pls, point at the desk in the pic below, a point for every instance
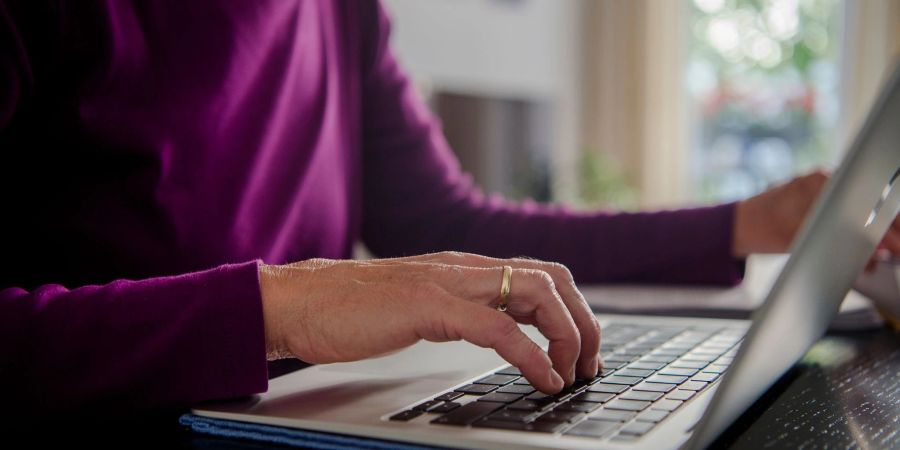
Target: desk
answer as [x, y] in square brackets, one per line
[844, 394]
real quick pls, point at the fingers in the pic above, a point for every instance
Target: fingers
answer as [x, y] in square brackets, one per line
[535, 295]
[454, 319]
[585, 320]
[484, 287]
[588, 362]
[547, 286]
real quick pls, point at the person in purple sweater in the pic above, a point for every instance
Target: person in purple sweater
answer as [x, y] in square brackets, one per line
[165, 164]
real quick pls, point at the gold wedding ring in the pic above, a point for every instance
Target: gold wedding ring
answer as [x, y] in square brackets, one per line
[504, 288]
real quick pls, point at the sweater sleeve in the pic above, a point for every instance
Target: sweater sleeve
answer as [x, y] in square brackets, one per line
[417, 200]
[134, 345]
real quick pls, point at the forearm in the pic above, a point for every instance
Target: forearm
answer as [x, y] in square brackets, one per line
[681, 246]
[134, 345]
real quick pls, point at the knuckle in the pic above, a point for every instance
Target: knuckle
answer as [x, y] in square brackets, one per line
[545, 277]
[452, 255]
[317, 262]
[562, 272]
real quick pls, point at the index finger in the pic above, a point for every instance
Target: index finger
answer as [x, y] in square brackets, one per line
[455, 319]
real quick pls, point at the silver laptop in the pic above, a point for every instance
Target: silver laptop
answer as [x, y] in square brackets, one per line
[667, 382]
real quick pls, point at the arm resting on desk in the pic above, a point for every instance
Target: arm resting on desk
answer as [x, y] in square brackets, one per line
[132, 345]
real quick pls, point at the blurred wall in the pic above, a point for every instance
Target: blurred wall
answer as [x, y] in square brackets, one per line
[519, 50]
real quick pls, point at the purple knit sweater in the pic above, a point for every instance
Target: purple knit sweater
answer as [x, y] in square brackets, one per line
[152, 153]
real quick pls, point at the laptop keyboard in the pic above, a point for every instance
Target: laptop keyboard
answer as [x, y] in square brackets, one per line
[648, 372]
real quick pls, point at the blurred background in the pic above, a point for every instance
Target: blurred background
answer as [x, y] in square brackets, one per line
[642, 104]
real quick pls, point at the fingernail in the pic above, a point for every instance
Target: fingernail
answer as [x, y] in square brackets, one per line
[596, 365]
[555, 380]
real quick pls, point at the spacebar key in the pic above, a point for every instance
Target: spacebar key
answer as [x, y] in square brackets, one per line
[468, 413]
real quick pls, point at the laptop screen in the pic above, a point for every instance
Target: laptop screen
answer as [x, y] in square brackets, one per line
[849, 220]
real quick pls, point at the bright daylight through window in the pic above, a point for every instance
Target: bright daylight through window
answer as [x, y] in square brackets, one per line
[762, 77]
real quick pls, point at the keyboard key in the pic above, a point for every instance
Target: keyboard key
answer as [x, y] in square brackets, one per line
[513, 415]
[427, 405]
[689, 364]
[654, 387]
[500, 397]
[605, 372]
[642, 349]
[680, 394]
[680, 371]
[444, 407]
[667, 405]
[668, 379]
[693, 385]
[635, 373]
[577, 406]
[637, 428]
[546, 426]
[499, 380]
[621, 357]
[709, 350]
[522, 382]
[537, 426]
[677, 346]
[407, 415]
[561, 416]
[645, 396]
[500, 424]
[613, 365]
[580, 384]
[596, 397]
[716, 368]
[510, 370]
[529, 405]
[615, 379]
[541, 397]
[652, 415]
[450, 396]
[468, 413]
[607, 388]
[646, 365]
[477, 389]
[612, 415]
[594, 428]
[516, 389]
[706, 377]
[699, 357]
[676, 351]
[627, 405]
[658, 358]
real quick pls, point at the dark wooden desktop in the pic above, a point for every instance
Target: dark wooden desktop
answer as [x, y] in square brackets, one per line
[844, 394]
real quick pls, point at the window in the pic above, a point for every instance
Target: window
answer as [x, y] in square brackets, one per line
[762, 77]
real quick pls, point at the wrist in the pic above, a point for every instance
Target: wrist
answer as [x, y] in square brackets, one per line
[268, 289]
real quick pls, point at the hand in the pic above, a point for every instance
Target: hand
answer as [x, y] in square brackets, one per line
[326, 311]
[768, 222]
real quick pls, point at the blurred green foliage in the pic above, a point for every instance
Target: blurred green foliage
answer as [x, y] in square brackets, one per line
[603, 183]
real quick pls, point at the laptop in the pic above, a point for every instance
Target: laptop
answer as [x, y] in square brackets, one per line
[666, 383]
